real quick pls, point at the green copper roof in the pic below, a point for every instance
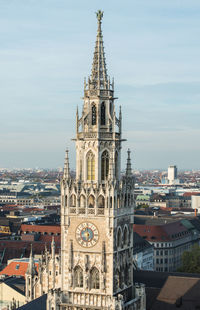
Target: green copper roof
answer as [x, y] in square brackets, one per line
[143, 197]
[187, 224]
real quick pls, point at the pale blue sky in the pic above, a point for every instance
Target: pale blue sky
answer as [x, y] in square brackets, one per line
[152, 49]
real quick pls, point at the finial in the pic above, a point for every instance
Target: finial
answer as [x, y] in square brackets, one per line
[53, 240]
[99, 14]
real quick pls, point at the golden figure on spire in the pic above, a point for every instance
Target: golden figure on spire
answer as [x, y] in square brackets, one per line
[99, 14]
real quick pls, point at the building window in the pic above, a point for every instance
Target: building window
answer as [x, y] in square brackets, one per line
[78, 277]
[94, 115]
[90, 166]
[104, 165]
[94, 278]
[103, 114]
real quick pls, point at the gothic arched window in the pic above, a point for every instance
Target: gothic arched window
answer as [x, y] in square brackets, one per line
[119, 238]
[94, 115]
[125, 235]
[78, 277]
[101, 201]
[104, 165]
[73, 200]
[95, 278]
[103, 114]
[91, 201]
[82, 201]
[90, 166]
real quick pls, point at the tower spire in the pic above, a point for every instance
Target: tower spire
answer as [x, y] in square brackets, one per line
[99, 78]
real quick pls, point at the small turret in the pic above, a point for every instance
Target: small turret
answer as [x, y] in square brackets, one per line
[128, 165]
[66, 174]
[30, 273]
[31, 270]
[53, 248]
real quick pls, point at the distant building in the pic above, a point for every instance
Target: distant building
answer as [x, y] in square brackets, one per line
[170, 241]
[172, 175]
[195, 202]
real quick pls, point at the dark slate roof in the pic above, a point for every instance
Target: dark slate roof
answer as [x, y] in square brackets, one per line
[153, 220]
[38, 303]
[169, 290]
[139, 244]
[155, 279]
[16, 283]
[196, 223]
[179, 292]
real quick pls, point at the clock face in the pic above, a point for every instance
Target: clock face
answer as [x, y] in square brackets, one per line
[87, 234]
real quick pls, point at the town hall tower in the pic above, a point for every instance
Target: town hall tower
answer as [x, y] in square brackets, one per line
[97, 206]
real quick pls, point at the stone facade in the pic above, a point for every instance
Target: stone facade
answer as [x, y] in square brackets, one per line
[95, 269]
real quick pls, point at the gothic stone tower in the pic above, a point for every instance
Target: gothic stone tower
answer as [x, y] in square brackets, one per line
[97, 206]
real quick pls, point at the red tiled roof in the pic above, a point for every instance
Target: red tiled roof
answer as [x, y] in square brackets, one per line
[161, 233]
[17, 249]
[54, 229]
[16, 268]
[188, 194]
[48, 239]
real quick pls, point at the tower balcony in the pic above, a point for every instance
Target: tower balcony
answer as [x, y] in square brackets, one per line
[102, 135]
[103, 93]
[87, 211]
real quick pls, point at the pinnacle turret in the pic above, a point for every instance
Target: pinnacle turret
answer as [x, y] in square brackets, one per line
[99, 78]
[53, 247]
[66, 174]
[128, 165]
[31, 270]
